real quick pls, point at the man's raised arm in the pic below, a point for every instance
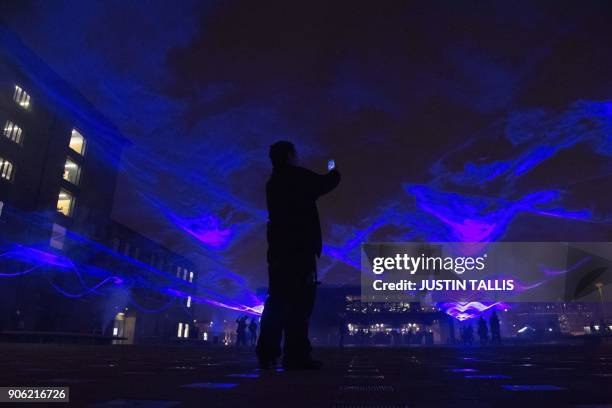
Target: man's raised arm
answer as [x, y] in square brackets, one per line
[320, 184]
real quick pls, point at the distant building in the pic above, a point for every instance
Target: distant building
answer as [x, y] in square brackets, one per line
[58, 155]
[392, 323]
[156, 314]
[549, 319]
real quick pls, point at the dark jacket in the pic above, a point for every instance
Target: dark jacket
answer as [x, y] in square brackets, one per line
[291, 194]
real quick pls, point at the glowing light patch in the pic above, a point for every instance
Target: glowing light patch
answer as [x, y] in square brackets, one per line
[14, 274]
[211, 385]
[468, 310]
[539, 387]
[463, 370]
[488, 377]
[258, 309]
[243, 375]
[481, 218]
[36, 256]
[556, 272]
[105, 280]
[226, 304]
[86, 291]
[206, 229]
[523, 329]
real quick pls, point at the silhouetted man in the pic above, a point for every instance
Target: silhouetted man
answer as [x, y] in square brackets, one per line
[253, 331]
[294, 243]
[469, 335]
[342, 330]
[495, 329]
[241, 327]
[483, 332]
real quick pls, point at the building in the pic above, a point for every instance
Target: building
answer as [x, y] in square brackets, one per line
[67, 266]
[154, 312]
[58, 155]
[365, 322]
[549, 319]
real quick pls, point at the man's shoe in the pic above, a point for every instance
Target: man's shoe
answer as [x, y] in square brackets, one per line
[307, 364]
[267, 363]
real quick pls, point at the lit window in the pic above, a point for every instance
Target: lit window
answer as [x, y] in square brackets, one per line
[58, 236]
[12, 131]
[115, 331]
[6, 169]
[180, 330]
[188, 301]
[186, 332]
[72, 171]
[77, 142]
[205, 336]
[21, 97]
[65, 203]
[190, 276]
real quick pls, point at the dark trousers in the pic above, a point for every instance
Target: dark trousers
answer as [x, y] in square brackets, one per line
[288, 308]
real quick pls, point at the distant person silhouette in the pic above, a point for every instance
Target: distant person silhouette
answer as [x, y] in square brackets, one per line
[241, 331]
[342, 330]
[17, 322]
[463, 335]
[294, 243]
[483, 332]
[469, 335]
[253, 331]
[495, 329]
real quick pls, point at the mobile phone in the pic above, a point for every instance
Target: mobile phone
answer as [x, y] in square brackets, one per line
[331, 165]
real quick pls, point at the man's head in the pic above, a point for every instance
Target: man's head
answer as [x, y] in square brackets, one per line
[282, 154]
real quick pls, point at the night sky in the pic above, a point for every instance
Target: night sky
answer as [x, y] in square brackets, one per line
[449, 120]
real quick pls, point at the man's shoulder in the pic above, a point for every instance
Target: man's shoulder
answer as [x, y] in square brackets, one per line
[291, 174]
[302, 171]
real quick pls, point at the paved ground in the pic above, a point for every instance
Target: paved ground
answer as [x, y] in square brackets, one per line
[109, 376]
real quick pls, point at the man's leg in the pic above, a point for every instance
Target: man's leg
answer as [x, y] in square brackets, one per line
[271, 326]
[268, 343]
[300, 306]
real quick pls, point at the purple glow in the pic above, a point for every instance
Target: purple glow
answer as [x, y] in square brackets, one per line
[556, 272]
[483, 219]
[113, 279]
[206, 229]
[468, 310]
[9, 275]
[489, 377]
[253, 310]
[32, 255]
[543, 387]
[38, 258]
[246, 375]
[521, 287]
[463, 370]
[463, 216]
